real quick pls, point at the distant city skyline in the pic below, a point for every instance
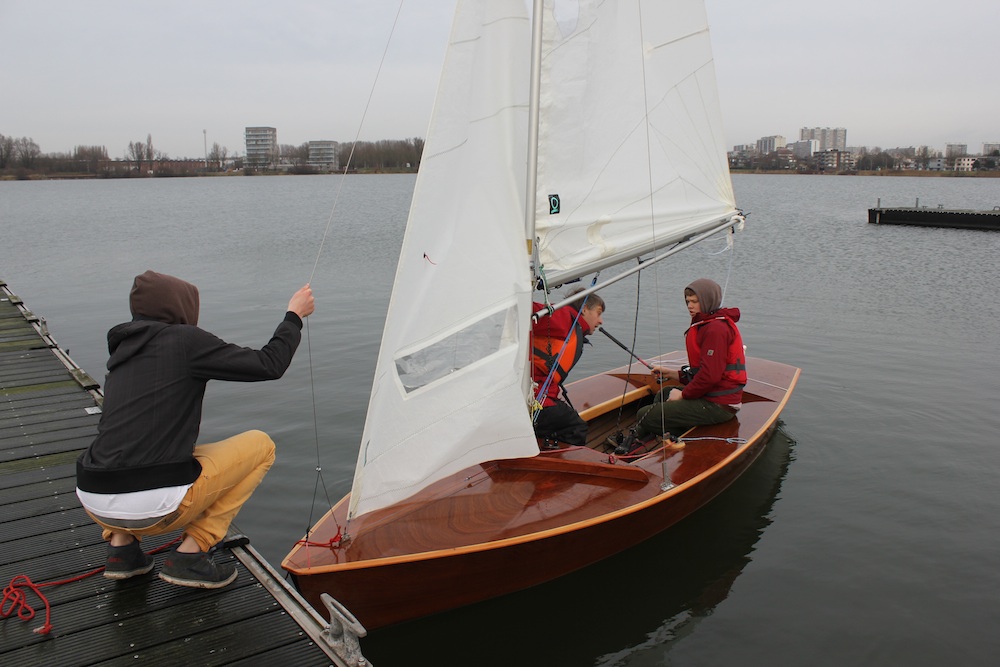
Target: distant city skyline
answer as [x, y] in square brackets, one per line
[109, 72]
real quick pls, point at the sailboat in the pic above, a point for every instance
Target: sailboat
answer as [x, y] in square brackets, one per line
[568, 138]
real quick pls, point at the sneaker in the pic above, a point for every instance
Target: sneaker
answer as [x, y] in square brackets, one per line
[196, 570]
[127, 561]
[625, 444]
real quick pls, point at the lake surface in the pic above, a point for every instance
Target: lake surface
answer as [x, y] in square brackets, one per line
[867, 534]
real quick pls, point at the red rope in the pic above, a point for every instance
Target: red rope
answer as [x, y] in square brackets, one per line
[15, 596]
[331, 543]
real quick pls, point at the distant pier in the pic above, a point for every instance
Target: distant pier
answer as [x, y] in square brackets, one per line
[934, 217]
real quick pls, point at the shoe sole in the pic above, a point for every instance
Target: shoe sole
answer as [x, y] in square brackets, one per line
[118, 576]
[199, 583]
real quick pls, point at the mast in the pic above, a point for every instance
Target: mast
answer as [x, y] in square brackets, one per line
[532, 181]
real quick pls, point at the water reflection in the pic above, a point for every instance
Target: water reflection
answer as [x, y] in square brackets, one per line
[625, 609]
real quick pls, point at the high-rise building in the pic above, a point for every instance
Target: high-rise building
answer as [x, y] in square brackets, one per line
[804, 148]
[770, 144]
[829, 139]
[952, 151]
[262, 146]
[990, 148]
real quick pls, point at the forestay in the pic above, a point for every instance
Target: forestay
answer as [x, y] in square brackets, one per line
[628, 107]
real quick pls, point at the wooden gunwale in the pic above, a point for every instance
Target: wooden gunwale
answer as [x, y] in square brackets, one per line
[653, 458]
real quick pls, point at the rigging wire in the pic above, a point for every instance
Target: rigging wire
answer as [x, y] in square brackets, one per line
[357, 135]
[635, 335]
[652, 212]
[326, 232]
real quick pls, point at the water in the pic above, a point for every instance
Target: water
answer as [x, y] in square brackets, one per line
[868, 534]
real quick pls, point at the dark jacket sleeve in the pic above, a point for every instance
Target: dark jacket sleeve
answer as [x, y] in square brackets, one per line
[211, 358]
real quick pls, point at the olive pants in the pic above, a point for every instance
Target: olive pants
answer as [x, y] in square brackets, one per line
[665, 417]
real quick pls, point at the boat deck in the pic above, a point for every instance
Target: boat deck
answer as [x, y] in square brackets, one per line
[49, 412]
[550, 514]
[508, 499]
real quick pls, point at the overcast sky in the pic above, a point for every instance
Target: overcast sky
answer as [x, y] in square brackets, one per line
[107, 72]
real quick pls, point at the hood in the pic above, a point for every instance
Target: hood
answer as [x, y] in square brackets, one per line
[162, 298]
[709, 294]
[126, 340]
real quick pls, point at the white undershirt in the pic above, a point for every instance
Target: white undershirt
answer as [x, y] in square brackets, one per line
[135, 504]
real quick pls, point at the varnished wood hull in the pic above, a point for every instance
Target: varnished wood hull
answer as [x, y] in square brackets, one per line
[506, 526]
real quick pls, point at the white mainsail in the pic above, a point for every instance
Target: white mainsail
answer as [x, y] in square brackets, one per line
[628, 107]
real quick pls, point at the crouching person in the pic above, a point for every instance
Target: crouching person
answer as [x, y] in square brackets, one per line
[143, 474]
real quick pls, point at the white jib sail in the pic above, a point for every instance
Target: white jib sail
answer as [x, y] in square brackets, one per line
[629, 106]
[449, 386]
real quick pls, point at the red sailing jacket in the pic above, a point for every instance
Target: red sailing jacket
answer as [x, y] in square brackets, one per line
[549, 335]
[718, 361]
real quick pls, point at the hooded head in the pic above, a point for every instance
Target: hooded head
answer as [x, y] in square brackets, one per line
[163, 298]
[709, 294]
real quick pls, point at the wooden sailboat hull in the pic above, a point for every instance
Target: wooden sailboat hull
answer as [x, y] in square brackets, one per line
[508, 525]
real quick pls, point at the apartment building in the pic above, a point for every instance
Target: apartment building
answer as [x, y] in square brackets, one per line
[323, 155]
[770, 144]
[835, 160]
[952, 151]
[829, 138]
[261, 147]
[804, 148]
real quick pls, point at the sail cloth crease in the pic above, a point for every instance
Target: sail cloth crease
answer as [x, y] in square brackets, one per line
[630, 159]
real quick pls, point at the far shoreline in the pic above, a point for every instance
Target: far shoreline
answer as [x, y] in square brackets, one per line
[922, 173]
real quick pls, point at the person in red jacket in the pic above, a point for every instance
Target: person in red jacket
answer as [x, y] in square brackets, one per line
[712, 386]
[557, 344]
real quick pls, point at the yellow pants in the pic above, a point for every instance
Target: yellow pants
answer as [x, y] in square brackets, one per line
[230, 471]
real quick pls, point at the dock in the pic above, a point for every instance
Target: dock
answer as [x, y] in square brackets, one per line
[49, 410]
[935, 217]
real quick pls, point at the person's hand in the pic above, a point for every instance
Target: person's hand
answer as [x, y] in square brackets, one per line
[302, 302]
[675, 395]
[665, 373]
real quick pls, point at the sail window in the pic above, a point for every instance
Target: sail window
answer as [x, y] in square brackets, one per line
[458, 350]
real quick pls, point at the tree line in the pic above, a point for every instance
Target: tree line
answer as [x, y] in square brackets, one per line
[23, 158]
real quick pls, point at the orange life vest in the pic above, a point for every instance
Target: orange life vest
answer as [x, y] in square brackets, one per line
[546, 358]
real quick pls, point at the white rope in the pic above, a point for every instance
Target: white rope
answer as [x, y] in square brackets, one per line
[732, 441]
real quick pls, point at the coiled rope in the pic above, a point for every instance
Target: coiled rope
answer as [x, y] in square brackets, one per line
[15, 594]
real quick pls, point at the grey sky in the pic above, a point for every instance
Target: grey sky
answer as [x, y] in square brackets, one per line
[106, 72]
